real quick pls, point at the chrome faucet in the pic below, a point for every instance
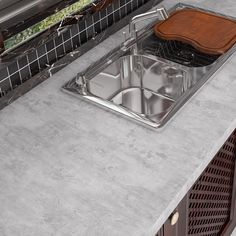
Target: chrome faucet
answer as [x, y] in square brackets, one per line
[145, 16]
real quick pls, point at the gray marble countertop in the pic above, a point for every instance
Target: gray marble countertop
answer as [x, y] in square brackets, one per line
[68, 167]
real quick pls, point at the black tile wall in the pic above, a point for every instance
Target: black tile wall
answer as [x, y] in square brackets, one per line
[44, 55]
[50, 45]
[89, 27]
[41, 50]
[15, 80]
[3, 73]
[13, 68]
[116, 6]
[22, 62]
[67, 35]
[32, 56]
[68, 46]
[43, 61]
[135, 5]
[60, 51]
[122, 2]
[52, 56]
[25, 73]
[74, 29]
[58, 40]
[34, 68]
[5, 86]
[116, 14]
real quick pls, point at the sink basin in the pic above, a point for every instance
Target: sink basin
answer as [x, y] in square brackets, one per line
[132, 75]
[151, 85]
[141, 87]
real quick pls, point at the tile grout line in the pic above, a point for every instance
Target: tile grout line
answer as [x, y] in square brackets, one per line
[56, 47]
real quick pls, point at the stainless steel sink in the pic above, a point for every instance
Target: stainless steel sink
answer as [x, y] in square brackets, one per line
[151, 84]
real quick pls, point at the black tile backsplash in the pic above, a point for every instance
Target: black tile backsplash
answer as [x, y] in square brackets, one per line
[32, 56]
[74, 29]
[34, 68]
[97, 27]
[135, 5]
[116, 4]
[60, 51]
[104, 24]
[5, 86]
[76, 41]
[3, 73]
[83, 37]
[96, 17]
[68, 46]
[70, 38]
[110, 16]
[129, 7]
[116, 16]
[13, 68]
[123, 11]
[50, 45]
[15, 80]
[22, 62]
[41, 50]
[52, 57]
[43, 61]
[90, 31]
[58, 40]
[122, 2]
[104, 12]
[81, 25]
[25, 73]
[67, 35]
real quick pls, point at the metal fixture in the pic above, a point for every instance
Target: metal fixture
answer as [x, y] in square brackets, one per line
[137, 86]
[175, 51]
[151, 85]
[142, 17]
[145, 16]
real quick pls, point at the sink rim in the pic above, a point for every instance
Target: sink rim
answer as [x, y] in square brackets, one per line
[213, 68]
[70, 87]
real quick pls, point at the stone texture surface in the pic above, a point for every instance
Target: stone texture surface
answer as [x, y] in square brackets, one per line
[234, 233]
[70, 168]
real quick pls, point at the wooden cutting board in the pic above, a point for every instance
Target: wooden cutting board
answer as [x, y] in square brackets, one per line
[207, 32]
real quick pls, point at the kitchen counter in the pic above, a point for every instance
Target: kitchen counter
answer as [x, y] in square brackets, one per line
[68, 167]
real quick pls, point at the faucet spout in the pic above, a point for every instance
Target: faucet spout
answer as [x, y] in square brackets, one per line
[145, 16]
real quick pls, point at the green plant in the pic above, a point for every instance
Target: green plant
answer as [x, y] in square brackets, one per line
[45, 24]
